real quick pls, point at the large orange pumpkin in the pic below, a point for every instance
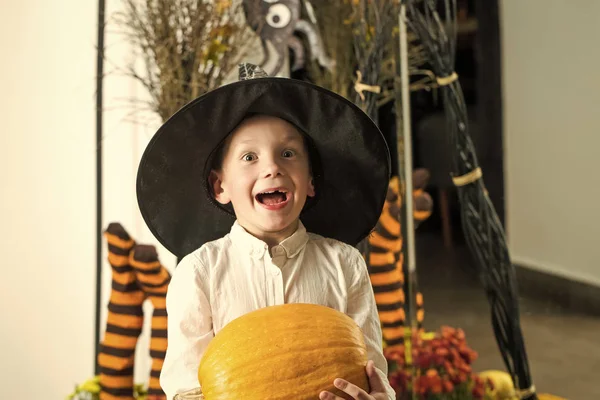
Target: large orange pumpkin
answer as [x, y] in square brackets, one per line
[284, 352]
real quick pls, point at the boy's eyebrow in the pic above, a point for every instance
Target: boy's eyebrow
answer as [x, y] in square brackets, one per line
[246, 141]
[287, 137]
[241, 143]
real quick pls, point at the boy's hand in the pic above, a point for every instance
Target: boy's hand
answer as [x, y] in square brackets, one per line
[377, 387]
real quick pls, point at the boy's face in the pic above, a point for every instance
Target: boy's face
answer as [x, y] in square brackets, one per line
[266, 176]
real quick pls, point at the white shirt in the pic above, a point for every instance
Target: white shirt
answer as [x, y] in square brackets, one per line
[235, 275]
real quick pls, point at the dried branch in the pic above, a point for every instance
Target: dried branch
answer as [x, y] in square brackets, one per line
[353, 29]
[185, 47]
[336, 32]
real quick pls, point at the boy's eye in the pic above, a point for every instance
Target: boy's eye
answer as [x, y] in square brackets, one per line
[249, 157]
[288, 153]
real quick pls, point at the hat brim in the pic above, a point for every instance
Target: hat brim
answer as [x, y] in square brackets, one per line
[354, 157]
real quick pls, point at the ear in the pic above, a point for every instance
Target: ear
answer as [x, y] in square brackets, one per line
[310, 192]
[216, 184]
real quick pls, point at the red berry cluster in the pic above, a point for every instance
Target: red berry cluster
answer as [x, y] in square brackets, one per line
[441, 366]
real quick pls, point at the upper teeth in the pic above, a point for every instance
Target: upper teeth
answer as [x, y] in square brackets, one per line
[274, 191]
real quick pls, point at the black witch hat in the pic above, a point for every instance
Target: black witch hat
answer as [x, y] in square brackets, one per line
[353, 158]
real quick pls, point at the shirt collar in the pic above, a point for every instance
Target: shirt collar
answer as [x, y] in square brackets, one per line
[257, 248]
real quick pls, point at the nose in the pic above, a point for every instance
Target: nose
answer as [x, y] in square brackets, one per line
[272, 168]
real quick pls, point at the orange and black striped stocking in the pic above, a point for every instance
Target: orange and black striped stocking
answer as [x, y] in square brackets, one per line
[125, 320]
[386, 262]
[154, 279]
[385, 268]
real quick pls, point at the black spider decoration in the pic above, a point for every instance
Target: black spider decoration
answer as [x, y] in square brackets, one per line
[276, 21]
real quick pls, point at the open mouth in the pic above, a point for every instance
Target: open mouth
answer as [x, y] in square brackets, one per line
[273, 197]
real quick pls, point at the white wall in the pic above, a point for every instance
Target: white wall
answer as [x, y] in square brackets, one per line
[49, 192]
[47, 196]
[552, 134]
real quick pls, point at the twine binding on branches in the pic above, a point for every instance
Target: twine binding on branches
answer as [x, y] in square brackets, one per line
[467, 178]
[360, 87]
[524, 393]
[446, 80]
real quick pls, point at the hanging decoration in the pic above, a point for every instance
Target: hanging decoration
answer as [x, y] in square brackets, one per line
[275, 22]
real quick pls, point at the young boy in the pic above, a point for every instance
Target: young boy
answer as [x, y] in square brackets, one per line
[304, 173]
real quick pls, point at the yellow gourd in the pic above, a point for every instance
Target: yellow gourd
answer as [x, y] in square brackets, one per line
[284, 352]
[504, 389]
[503, 384]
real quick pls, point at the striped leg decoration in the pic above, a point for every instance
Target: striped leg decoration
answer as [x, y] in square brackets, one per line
[125, 320]
[385, 269]
[154, 279]
[386, 259]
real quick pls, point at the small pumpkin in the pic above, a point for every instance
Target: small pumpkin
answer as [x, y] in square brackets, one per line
[502, 383]
[284, 352]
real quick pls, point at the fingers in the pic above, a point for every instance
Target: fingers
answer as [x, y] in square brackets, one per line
[375, 381]
[354, 391]
[329, 396]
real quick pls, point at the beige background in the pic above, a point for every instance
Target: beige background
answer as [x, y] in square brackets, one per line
[552, 134]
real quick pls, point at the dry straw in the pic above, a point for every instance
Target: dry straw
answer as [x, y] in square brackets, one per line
[354, 33]
[183, 48]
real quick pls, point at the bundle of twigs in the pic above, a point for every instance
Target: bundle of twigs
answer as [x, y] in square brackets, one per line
[483, 230]
[338, 22]
[373, 26]
[336, 33]
[187, 47]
